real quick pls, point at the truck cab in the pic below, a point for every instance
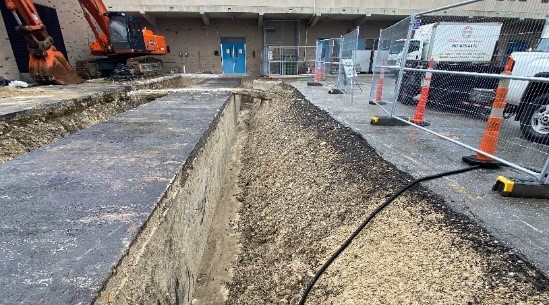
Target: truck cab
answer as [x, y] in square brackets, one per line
[415, 51]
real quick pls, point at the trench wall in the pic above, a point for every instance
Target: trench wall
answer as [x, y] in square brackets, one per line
[162, 264]
[119, 212]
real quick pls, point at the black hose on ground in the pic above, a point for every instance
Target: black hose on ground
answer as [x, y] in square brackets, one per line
[372, 215]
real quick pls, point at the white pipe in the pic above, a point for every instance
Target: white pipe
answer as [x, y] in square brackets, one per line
[448, 7]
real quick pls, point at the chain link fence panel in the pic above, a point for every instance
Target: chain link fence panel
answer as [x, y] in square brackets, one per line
[477, 75]
[289, 60]
[386, 66]
[347, 75]
[327, 58]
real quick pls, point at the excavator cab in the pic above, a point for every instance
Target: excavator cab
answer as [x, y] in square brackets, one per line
[120, 37]
[126, 33]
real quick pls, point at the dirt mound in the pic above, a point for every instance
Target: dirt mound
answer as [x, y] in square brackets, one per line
[307, 182]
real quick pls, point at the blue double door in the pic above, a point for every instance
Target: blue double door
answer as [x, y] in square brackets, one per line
[233, 58]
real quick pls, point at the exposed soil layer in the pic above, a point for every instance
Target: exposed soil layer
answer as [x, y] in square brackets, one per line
[307, 182]
[25, 132]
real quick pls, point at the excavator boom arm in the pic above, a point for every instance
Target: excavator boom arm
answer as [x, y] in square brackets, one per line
[46, 64]
[31, 26]
[97, 10]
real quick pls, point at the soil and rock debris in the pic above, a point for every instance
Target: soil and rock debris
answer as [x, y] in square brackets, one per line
[305, 185]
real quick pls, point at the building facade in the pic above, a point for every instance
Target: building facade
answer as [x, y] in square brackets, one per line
[202, 35]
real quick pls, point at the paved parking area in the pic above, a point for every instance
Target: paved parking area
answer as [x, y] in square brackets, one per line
[519, 223]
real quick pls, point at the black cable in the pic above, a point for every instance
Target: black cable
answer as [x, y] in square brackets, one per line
[372, 215]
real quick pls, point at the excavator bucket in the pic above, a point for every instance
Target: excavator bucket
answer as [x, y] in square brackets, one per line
[52, 68]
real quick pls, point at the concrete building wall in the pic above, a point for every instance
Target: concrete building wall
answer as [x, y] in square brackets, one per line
[188, 35]
[527, 9]
[75, 28]
[325, 29]
[8, 67]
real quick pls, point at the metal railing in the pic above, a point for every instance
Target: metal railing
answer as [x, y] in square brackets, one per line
[439, 71]
[289, 60]
[327, 58]
[347, 75]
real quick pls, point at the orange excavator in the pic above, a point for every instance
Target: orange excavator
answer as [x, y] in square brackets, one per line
[119, 39]
[46, 64]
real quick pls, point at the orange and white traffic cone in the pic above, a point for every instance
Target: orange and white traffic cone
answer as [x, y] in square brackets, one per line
[317, 78]
[379, 89]
[422, 104]
[490, 138]
[317, 74]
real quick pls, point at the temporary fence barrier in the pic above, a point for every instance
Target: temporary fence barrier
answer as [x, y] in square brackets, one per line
[289, 60]
[419, 114]
[347, 75]
[378, 99]
[469, 70]
[320, 68]
[391, 42]
[327, 58]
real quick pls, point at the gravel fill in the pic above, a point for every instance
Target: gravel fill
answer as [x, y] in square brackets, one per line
[307, 182]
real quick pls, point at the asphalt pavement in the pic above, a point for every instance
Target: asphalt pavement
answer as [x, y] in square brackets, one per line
[522, 224]
[69, 210]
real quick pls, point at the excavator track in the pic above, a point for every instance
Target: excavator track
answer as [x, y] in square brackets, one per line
[145, 65]
[96, 68]
[83, 70]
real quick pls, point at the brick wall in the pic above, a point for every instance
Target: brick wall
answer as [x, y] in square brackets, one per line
[191, 36]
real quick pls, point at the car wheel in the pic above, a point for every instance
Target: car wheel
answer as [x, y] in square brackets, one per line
[534, 121]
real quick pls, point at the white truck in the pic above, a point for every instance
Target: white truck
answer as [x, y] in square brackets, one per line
[529, 101]
[454, 46]
[449, 42]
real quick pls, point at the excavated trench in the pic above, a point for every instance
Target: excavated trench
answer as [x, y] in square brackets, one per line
[23, 132]
[269, 193]
[300, 183]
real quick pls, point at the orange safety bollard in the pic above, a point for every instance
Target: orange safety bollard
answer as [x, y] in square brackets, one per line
[317, 74]
[422, 104]
[490, 138]
[316, 80]
[379, 90]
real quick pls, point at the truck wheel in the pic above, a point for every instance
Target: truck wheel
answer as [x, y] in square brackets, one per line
[534, 121]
